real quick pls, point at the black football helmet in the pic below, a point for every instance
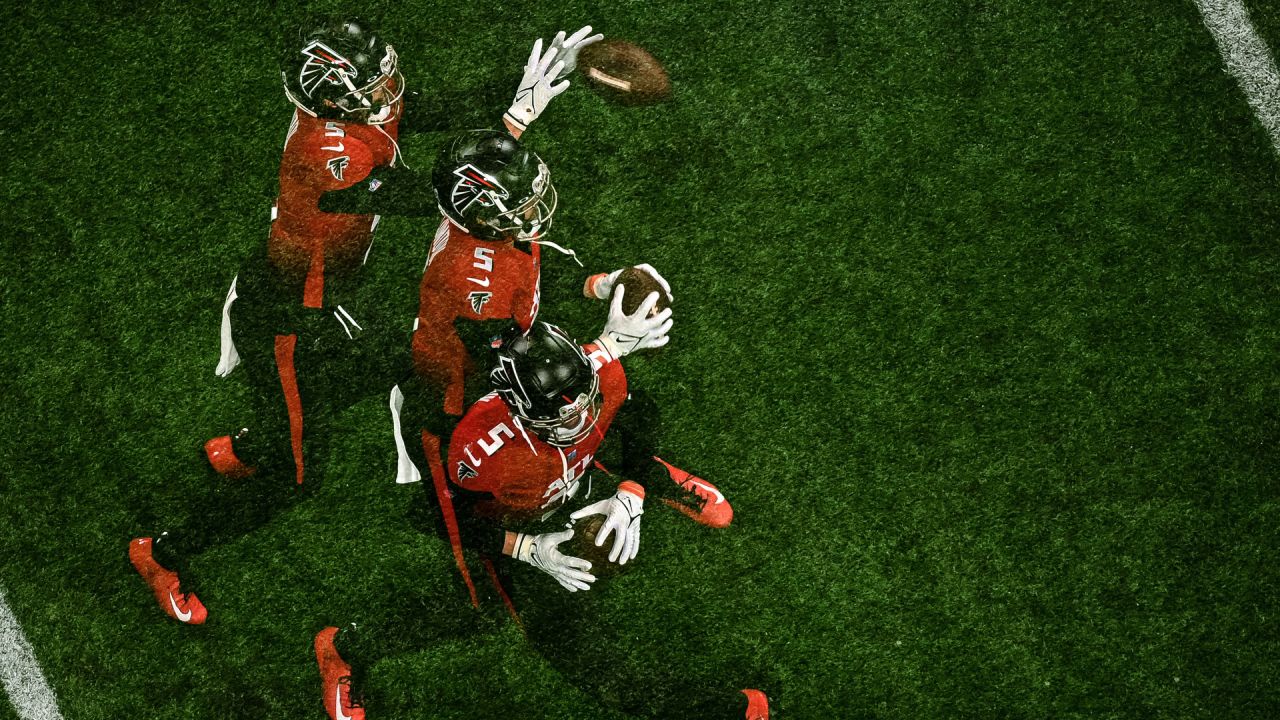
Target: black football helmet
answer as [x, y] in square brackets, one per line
[344, 71]
[548, 383]
[493, 187]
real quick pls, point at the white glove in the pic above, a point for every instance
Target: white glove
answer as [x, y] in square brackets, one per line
[541, 552]
[622, 517]
[600, 287]
[567, 50]
[536, 89]
[624, 334]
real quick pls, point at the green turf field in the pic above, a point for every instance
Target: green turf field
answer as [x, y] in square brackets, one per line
[976, 326]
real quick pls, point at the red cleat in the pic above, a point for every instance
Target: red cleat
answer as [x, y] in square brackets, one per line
[709, 508]
[335, 678]
[183, 607]
[222, 457]
[757, 705]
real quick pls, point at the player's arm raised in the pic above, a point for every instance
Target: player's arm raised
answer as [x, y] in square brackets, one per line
[544, 77]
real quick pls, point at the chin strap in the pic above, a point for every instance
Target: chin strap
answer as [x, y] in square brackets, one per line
[562, 251]
[397, 157]
[523, 434]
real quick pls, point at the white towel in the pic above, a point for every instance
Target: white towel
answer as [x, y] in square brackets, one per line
[228, 358]
[406, 471]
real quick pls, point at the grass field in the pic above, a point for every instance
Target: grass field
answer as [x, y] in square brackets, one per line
[977, 325]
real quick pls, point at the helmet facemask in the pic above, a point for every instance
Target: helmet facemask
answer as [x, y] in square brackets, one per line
[571, 423]
[378, 102]
[531, 219]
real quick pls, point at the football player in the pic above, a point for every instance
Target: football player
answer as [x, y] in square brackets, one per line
[295, 307]
[518, 457]
[484, 269]
[483, 273]
[341, 148]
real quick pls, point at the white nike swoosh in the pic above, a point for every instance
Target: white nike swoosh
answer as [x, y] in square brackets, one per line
[335, 148]
[708, 488]
[182, 616]
[337, 704]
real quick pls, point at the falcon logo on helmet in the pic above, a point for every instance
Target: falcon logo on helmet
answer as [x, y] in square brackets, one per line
[507, 378]
[494, 188]
[324, 64]
[475, 186]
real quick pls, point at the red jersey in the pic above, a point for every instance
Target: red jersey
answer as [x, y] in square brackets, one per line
[526, 478]
[469, 279]
[320, 156]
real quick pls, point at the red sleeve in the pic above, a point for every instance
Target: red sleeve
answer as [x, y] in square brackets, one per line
[613, 382]
[524, 308]
[437, 296]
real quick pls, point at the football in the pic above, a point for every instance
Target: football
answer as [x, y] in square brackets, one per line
[639, 283]
[624, 72]
[583, 545]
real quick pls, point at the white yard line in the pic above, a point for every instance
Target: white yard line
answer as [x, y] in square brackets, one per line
[20, 673]
[1248, 58]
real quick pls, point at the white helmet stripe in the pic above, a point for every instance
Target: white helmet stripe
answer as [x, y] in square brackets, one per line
[520, 395]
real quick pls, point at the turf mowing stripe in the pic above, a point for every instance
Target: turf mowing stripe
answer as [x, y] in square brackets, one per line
[1248, 58]
[20, 673]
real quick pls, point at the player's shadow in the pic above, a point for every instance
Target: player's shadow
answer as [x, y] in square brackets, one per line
[645, 656]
